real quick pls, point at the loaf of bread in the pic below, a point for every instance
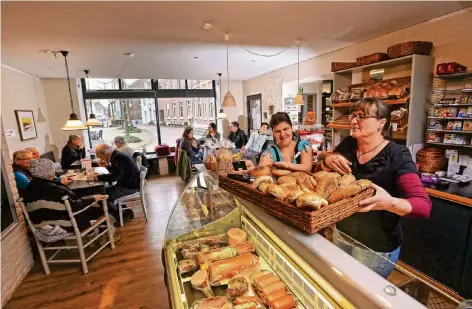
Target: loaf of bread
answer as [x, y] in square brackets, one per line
[279, 192]
[219, 302]
[245, 299]
[261, 171]
[347, 179]
[327, 185]
[227, 269]
[286, 179]
[344, 192]
[261, 179]
[280, 173]
[285, 302]
[317, 176]
[364, 183]
[311, 200]
[263, 186]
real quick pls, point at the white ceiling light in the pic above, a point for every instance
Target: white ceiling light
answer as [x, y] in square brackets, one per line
[74, 123]
[229, 99]
[298, 99]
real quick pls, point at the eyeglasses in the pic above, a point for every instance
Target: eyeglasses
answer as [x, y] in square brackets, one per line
[359, 117]
[25, 159]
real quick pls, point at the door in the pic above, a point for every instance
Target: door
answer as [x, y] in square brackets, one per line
[254, 108]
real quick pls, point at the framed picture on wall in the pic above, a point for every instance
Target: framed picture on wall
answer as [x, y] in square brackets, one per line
[26, 124]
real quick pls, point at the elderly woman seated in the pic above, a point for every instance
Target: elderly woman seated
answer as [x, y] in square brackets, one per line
[43, 188]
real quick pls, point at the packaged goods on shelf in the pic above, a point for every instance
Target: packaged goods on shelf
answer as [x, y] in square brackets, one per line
[467, 125]
[462, 113]
[434, 125]
[457, 126]
[434, 137]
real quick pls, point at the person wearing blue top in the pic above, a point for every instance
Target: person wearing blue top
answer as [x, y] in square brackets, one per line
[288, 153]
[21, 164]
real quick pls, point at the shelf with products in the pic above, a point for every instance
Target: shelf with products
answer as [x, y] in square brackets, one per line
[409, 78]
[450, 118]
[450, 144]
[450, 131]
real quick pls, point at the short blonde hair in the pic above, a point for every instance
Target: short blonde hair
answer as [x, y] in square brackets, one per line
[20, 154]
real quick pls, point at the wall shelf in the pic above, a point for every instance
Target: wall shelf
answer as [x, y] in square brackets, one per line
[452, 105]
[450, 118]
[384, 64]
[450, 131]
[452, 145]
[455, 76]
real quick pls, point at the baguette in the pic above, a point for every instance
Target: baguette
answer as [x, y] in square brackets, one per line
[230, 268]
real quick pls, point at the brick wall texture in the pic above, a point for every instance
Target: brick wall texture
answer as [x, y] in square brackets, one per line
[17, 258]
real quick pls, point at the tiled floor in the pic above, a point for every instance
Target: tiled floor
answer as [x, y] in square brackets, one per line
[129, 277]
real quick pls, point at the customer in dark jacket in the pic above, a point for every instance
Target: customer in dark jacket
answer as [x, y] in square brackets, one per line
[74, 150]
[190, 145]
[123, 170]
[43, 188]
[237, 136]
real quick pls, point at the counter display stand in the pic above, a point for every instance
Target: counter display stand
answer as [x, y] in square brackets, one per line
[317, 273]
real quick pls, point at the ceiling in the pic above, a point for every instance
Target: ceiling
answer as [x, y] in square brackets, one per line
[166, 36]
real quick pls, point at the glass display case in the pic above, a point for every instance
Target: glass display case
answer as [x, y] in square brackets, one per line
[316, 272]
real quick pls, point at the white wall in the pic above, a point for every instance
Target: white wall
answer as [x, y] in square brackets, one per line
[234, 113]
[22, 91]
[56, 96]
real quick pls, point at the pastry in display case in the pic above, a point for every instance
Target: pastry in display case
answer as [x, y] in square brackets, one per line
[229, 253]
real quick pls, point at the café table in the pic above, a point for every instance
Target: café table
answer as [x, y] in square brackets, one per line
[78, 165]
[83, 187]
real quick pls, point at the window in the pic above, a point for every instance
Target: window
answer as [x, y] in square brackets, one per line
[189, 108]
[101, 84]
[174, 109]
[212, 110]
[199, 84]
[171, 83]
[181, 109]
[136, 84]
[168, 110]
[200, 111]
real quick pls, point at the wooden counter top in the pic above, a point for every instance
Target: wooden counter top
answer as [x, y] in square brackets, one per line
[455, 193]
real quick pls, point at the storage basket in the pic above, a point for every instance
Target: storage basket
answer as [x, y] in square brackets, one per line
[431, 160]
[339, 66]
[410, 48]
[309, 221]
[369, 59]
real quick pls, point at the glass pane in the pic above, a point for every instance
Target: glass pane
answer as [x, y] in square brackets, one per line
[171, 83]
[136, 84]
[101, 84]
[134, 119]
[175, 114]
[200, 84]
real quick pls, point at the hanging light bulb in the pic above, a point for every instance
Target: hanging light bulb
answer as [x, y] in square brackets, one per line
[298, 99]
[221, 115]
[228, 101]
[92, 121]
[74, 123]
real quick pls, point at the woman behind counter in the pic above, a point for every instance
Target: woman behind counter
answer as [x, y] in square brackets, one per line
[367, 154]
[287, 153]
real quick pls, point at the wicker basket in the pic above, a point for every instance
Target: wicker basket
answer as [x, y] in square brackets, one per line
[339, 66]
[431, 160]
[369, 59]
[309, 221]
[410, 48]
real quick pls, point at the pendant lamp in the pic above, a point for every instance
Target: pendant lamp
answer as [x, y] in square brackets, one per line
[229, 99]
[298, 99]
[74, 123]
[92, 120]
[221, 114]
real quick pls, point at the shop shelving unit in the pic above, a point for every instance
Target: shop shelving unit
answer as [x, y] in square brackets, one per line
[418, 67]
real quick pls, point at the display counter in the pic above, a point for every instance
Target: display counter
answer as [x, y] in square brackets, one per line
[316, 272]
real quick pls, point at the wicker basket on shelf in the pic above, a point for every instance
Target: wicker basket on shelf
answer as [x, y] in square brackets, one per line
[369, 59]
[431, 160]
[410, 48]
[309, 221]
[339, 66]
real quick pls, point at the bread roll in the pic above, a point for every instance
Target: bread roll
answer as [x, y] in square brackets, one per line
[286, 179]
[226, 269]
[280, 173]
[249, 305]
[364, 183]
[273, 296]
[236, 236]
[273, 288]
[261, 171]
[327, 185]
[319, 175]
[279, 192]
[307, 182]
[266, 282]
[262, 179]
[263, 186]
[298, 174]
[344, 192]
[246, 299]
[285, 302]
[346, 180]
[310, 200]
[261, 276]
[293, 193]
[237, 287]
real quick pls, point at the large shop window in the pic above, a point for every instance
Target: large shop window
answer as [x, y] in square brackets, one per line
[148, 112]
[134, 119]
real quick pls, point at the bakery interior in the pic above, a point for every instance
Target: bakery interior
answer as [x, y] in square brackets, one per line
[213, 238]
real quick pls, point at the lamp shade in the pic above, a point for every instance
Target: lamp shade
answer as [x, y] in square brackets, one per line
[298, 99]
[74, 123]
[221, 115]
[228, 101]
[93, 121]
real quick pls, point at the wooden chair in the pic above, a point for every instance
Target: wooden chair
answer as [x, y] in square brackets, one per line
[78, 235]
[134, 200]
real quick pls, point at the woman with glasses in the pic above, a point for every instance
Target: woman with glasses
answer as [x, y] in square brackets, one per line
[21, 169]
[368, 154]
[213, 133]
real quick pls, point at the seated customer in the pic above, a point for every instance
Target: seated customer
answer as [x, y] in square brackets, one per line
[43, 187]
[21, 169]
[74, 150]
[34, 152]
[213, 134]
[237, 136]
[122, 146]
[124, 171]
[256, 143]
[190, 145]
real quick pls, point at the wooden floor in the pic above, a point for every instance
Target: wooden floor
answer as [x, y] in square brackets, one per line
[129, 277]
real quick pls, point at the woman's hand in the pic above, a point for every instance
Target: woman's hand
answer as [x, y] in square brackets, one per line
[65, 181]
[382, 200]
[338, 163]
[282, 165]
[100, 197]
